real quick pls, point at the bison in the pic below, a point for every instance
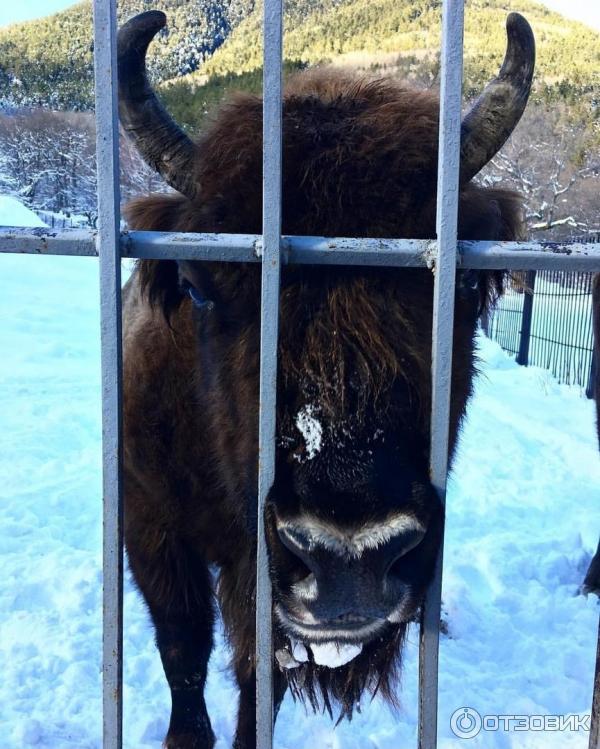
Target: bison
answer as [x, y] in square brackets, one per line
[353, 523]
[591, 583]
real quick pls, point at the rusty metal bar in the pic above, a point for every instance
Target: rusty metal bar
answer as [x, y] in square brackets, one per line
[269, 324]
[594, 742]
[109, 251]
[526, 319]
[442, 339]
[247, 248]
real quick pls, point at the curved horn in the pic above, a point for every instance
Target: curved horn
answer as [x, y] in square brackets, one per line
[496, 113]
[161, 142]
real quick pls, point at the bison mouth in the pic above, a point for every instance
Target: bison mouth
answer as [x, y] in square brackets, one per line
[330, 667]
[346, 629]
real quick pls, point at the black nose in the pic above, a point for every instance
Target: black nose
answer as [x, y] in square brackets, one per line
[343, 577]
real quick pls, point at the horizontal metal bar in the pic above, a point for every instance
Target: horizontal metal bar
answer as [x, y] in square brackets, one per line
[18, 240]
[346, 251]
[245, 248]
[529, 255]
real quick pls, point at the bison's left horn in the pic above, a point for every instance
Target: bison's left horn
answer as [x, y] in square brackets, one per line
[496, 113]
[161, 142]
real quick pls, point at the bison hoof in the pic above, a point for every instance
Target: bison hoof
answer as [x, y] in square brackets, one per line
[591, 587]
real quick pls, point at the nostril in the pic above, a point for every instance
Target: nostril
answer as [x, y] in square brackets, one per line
[299, 572]
[398, 551]
[301, 562]
[394, 567]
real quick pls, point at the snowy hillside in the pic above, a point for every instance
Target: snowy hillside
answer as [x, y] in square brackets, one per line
[523, 519]
[14, 213]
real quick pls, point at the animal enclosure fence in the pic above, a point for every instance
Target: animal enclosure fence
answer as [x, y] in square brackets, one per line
[56, 221]
[545, 318]
[271, 249]
[549, 324]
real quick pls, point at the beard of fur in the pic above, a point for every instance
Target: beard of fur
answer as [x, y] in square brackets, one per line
[375, 670]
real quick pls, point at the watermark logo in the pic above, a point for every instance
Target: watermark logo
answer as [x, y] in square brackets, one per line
[466, 723]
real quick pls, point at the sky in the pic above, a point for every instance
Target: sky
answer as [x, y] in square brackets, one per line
[22, 10]
[587, 11]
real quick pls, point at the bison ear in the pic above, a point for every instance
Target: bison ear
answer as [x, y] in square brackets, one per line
[159, 279]
[489, 214]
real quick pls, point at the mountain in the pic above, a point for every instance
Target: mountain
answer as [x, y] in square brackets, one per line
[210, 45]
[49, 61]
[411, 29]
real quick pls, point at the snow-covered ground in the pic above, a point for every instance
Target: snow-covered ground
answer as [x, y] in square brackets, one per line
[523, 520]
[14, 213]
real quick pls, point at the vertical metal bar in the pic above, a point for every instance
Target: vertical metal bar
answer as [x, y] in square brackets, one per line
[581, 335]
[589, 391]
[517, 318]
[573, 298]
[593, 387]
[525, 335]
[594, 742]
[552, 312]
[107, 159]
[272, 158]
[443, 326]
[561, 333]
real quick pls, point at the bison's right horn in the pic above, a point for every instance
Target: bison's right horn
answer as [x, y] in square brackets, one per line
[498, 110]
[161, 142]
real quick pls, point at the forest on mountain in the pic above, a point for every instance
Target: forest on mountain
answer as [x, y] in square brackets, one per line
[49, 61]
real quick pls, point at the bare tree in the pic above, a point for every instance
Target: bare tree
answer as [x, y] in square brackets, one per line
[547, 161]
[137, 178]
[48, 161]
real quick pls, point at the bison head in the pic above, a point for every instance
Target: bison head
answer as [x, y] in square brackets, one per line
[353, 522]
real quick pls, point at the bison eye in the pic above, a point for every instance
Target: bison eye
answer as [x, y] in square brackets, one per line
[198, 300]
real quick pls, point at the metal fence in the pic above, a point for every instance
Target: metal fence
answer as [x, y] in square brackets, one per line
[58, 221]
[545, 319]
[271, 249]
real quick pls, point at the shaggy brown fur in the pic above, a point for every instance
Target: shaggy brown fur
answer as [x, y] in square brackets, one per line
[360, 160]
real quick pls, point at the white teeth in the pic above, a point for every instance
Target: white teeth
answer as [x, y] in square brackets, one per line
[299, 651]
[297, 657]
[334, 654]
[286, 659]
[329, 654]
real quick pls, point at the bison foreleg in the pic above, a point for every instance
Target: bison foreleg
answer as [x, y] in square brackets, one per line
[185, 647]
[236, 595]
[177, 587]
[245, 735]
